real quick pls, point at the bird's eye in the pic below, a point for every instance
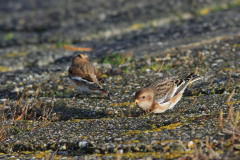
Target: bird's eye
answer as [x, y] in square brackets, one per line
[143, 97]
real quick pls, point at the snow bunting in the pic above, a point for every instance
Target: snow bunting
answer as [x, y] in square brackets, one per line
[86, 77]
[163, 94]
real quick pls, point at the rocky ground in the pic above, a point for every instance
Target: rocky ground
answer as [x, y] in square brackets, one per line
[128, 41]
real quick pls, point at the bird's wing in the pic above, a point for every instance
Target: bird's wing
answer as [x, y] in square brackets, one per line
[98, 75]
[78, 75]
[166, 89]
[181, 84]
[176, 84]
[76, 72]
[163, 89]
[91, 85]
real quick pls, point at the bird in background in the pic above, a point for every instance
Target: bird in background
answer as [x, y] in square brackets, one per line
[163, 94]
[86, 77]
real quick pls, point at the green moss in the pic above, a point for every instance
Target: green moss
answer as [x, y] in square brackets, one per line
[144, 69]
[137, 26]
[4, 69]
[170, 127]
[155, 66]
[126, 70]
[15, 54]
[166, 67]
[233, 102]
[199, 94]
[8, 36]
[61, 44]
[117, 58]
[152, 126]
[220, 7]
[137, 155]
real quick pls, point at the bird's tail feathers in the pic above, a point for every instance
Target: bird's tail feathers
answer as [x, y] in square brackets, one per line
[110, 96]
[106, 93]
[192, 78]
[188, 80]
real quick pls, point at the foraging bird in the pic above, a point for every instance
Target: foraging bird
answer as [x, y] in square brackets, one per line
[86, 77]
[163, 94]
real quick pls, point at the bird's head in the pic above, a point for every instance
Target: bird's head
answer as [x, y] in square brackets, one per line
[144, 98]
[83, 56]
[79, 58]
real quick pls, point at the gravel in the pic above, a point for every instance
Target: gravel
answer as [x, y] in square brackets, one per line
[61, 124]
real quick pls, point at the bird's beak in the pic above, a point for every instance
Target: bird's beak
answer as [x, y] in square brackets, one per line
[136, 101]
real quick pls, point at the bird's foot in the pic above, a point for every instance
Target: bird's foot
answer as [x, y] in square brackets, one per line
[79, 96]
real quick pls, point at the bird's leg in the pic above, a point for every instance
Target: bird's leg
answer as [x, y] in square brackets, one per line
[151, 115]
[79, 94]
[162, 116]
[88, 95]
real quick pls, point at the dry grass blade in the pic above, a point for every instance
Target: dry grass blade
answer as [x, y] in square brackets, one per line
[230, 113]
[3, 117]
[72, 48]
[236, 119]
[230, 97]
[36, 93]
[234, 130]
[233, 138]
[220, 120]
[213, 154]
[3, 135]
[47, 112]
[118, 156]
[207, 141]
[18, 95]
[52, 156]
[195, 100]
[21, 110]
[211, 82]
[44, 112]
[199, 63]
[25, 110]
[5, 102]
[190, 83]
[20, 117]
[199, 153]
[228, 84]
[160, 68]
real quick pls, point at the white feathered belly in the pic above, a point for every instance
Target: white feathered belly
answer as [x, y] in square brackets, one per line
[82, 88]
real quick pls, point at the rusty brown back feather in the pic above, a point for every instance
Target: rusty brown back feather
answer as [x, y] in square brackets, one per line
[167, 88]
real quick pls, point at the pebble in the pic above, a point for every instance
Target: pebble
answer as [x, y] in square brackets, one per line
[81, 123]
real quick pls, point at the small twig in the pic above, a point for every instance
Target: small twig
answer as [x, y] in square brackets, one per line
[236, 118]
[53, 155]
[194, 101]
[230, 113]
[211, 82]
[230, 96]
[228, 84]
[220, 120]
[160, 67]
[118, 155]
[207, 141]
[199, 63]
[233, 137]
[190, 83]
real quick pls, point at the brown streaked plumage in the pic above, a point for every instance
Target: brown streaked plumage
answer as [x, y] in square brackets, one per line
[86, 77]
[163, 94]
